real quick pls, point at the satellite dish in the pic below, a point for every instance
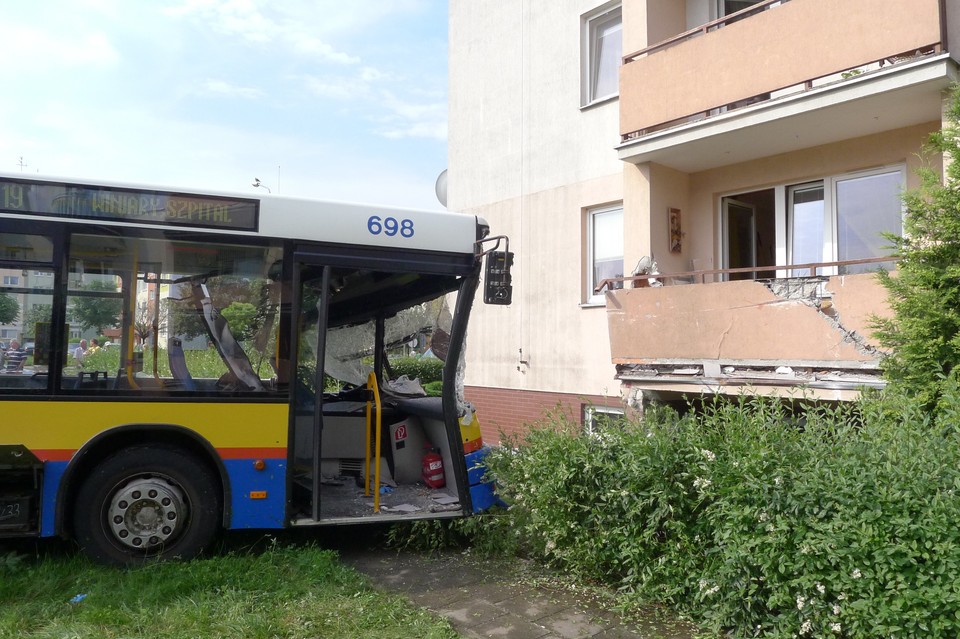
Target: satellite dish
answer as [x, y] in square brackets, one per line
[441, 188]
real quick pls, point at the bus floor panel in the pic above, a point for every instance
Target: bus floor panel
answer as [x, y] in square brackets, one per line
[344, 499]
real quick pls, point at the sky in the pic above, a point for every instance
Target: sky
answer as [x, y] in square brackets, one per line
[338, 100]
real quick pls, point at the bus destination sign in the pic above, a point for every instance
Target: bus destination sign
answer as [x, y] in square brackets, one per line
[128, 205]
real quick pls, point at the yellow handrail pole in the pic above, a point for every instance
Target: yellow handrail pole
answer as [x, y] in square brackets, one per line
[132, 313]
[366, 469]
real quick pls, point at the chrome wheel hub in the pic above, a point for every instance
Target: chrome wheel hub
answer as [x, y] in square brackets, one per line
[146, 512]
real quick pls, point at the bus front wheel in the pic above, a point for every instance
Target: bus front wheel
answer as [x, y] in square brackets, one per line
[147, 502]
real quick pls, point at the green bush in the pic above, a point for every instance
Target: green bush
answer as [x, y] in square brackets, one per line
[755, 519]
[426, 369]
[487, 534]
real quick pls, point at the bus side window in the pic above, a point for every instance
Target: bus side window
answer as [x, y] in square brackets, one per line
[26, 303]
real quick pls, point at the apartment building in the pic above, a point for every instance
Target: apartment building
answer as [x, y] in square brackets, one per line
[744, 157]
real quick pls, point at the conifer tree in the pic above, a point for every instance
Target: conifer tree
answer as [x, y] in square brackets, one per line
[924, 293]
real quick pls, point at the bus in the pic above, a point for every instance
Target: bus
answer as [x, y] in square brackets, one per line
[208, 361]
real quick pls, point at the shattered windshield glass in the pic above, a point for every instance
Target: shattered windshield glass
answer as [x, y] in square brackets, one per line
[418, 312]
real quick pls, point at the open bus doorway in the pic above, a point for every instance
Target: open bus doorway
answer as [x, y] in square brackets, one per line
[356, 321]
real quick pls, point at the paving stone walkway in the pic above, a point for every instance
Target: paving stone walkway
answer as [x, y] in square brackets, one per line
[484, 599]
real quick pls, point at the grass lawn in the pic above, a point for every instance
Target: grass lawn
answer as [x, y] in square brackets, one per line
[284, 590]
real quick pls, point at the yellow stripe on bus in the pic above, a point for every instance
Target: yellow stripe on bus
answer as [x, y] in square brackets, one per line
[69, 425]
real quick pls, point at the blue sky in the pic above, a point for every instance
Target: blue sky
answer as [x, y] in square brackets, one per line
[347, 98]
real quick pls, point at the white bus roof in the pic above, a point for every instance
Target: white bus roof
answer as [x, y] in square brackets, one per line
[274, 216]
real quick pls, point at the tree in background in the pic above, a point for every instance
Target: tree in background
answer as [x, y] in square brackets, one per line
[36, 314]
[242, 319]
[9, 309]
[147, 321]
[97, 311]
[924, 293]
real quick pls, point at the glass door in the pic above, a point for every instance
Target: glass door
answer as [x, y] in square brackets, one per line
[739, 233]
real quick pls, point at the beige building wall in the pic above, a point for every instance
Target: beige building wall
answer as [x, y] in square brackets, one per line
[526, 157]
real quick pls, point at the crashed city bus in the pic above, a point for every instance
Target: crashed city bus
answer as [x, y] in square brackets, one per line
[247, 379]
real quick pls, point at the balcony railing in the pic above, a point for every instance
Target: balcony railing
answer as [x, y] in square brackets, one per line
[813, 269]
[710, 26]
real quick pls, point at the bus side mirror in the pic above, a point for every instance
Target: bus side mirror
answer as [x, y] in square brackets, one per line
[498, 288]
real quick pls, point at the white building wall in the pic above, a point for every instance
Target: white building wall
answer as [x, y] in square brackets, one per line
[525, 156]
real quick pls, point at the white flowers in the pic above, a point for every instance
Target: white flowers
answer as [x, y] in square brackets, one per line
[708, 591]
[856, 574]
[708, 455]
[835, 627]
[801, 602]
[820, 588]
[701, 483]
[806, 627]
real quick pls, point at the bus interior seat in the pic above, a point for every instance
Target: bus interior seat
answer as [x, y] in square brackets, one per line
[178, 365]
[219, 331]
[92, 379]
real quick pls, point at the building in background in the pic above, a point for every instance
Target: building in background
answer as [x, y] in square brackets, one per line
[716, 142]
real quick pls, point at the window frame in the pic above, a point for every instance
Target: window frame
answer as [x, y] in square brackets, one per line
[590, 215]
[784, 237]
[591, 410]
[591, 23]
[834, 209]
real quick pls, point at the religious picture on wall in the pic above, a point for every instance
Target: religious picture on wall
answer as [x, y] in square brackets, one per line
[676, 233]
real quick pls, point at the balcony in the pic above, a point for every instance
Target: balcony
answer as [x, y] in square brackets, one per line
[786, 75]
[781, 336]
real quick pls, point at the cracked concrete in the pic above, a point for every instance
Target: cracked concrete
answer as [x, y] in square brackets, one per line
[813, 292]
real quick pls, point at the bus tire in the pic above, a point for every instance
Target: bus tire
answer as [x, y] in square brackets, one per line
[147, 502]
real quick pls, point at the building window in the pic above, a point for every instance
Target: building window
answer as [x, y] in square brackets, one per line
[807, 223]
[11, 280]
[867, 207]
[604, 248]
[838, 218]
[602, 53]
[596, 418]
[732, 6]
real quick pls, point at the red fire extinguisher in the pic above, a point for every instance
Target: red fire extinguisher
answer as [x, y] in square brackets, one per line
[432, 468]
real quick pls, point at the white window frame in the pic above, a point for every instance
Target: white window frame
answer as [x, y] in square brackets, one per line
[783, 215]
[590, 25]
[11, 280]
[591, 296]
[827, 241]
[591, 410]
[833, 229]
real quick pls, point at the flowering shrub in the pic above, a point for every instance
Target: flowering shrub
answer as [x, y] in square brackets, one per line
[755, 519]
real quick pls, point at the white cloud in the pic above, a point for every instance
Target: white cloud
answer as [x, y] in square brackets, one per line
[267, 25]
[44, 49]
[226, 89]
[413, 119]
[336, 88]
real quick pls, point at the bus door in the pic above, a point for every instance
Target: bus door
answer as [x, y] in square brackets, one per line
[352, 322]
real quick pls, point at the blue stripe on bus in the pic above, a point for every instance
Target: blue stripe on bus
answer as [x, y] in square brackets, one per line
[52, 474]
[267, 512]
